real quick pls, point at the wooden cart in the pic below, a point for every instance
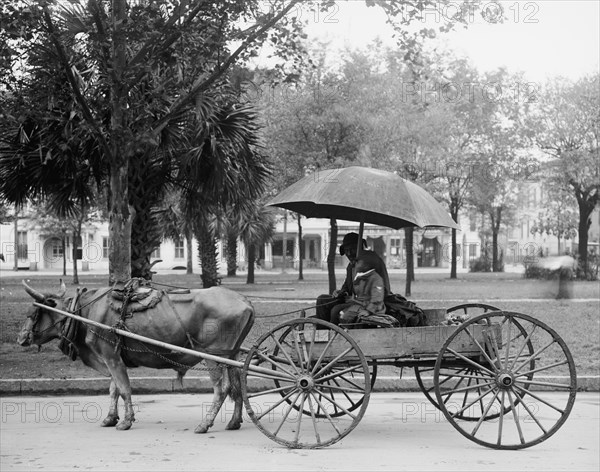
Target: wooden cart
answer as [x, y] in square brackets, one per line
[504, 380]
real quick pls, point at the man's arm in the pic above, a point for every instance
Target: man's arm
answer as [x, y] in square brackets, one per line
[347, 287]
[377, 294]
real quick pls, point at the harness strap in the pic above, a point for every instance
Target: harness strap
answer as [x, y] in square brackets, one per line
[187, 334]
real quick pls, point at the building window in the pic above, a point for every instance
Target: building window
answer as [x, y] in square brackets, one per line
[104, 247]
[472, 251]
[155, 254]
[277, 248]
[57, 249]
[22, 245]
[395, 246]
[179, 252]
[473, 222]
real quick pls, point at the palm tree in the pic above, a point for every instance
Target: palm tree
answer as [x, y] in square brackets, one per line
[225, 169]
[257, 227]
[62, 179]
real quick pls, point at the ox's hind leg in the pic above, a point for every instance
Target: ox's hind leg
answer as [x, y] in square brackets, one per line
[113, 413]
[118, 372]
[220, 383]
[235, 383]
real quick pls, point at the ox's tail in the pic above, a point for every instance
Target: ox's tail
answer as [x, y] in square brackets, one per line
[234, 373]
[235, 383]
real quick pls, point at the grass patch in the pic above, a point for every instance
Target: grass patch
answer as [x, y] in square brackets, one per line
[578, 323]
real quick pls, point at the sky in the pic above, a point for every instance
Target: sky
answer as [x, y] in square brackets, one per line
[542, 38]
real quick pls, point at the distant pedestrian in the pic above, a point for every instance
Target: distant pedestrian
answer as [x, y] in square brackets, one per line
[563, 269]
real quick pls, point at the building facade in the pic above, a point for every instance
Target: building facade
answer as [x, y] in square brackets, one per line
[32, 250]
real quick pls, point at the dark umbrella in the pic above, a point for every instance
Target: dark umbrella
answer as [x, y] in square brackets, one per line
[365, 195]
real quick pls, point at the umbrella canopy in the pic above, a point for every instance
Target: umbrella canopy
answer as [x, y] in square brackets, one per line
[365, 195]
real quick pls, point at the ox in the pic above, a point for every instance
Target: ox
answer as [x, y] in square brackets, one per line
[214, 320]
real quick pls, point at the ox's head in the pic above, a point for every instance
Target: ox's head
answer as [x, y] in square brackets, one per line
[41, 325]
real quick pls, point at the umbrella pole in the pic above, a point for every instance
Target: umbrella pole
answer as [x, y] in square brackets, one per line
[361, 230]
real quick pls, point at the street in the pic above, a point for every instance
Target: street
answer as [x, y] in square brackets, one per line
[400, 431]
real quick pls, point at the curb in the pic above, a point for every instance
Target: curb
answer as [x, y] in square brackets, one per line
[146, 385]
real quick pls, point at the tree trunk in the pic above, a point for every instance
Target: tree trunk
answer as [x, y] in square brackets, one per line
[284, 262]
[300, 248]
[496, 217]
[190, 261]
[585, 221]
[453, 262]
[231, 254]
[454, 257]
[145, 238]
[455, 206]
[76, 237]
[208, 259]
[146, 233]
[410, 268]
[64, 245]
[251, 256]
[16, 252]
[333, 235]
[120, 212]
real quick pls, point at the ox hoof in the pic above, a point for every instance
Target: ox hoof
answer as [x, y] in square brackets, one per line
[110, 421]
[124, 425]
[201, 429]
[233, 425]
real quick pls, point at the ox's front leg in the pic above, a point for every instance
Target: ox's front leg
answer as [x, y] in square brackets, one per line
[113, 413]
[118, 371]
[218, 377]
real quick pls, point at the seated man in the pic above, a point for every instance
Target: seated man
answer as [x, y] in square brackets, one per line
[369, 293]
[328, 306]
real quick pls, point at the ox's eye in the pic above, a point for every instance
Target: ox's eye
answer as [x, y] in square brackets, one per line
[51, 303]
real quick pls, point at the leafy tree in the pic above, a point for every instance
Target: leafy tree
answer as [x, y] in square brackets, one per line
[310, 125]
[134, 94]
[557, 216]
[460, 120]
[256, 227]
[175, 226]
[139, 70]
[567, 123]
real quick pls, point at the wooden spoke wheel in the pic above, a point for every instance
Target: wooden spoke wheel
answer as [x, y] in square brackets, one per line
[333, 382]
[424, 374]
[472, 309]
[312, 386]
[513, 373]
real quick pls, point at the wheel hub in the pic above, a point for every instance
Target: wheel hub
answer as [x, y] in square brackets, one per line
[305, 383]
[505, 380]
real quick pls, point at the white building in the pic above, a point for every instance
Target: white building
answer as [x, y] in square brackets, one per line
[34, 250]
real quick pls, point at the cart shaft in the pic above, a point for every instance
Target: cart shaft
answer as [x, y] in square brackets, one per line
[183, 350]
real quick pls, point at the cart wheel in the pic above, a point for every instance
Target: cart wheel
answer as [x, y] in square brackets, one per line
[512, 348]
[424, 375]
[319, 372]
[333, 382]
[472, 309]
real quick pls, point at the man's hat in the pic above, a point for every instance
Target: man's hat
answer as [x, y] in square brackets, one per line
[351, 239]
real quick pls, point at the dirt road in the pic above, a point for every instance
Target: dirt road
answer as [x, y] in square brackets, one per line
[400, 431]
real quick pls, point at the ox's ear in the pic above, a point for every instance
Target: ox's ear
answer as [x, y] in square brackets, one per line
[63, 289]
[37, 296]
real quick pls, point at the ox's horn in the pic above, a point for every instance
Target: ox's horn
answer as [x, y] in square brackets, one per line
[37, 296]
[63, 289]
